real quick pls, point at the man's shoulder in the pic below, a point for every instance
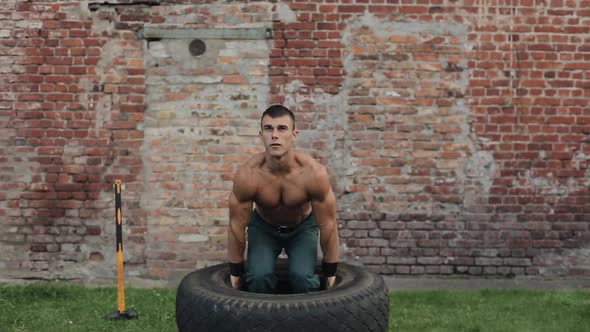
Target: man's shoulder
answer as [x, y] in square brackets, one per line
[308, 161]
[251, 164]
[246, 172]
[245, 180]
[316, 174]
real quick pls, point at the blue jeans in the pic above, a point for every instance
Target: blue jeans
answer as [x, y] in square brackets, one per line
[265, 243]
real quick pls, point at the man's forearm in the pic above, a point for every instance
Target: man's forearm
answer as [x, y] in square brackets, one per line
[236, 245]
[329, 242]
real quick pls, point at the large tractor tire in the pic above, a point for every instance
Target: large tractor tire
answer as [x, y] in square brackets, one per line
[206, 302]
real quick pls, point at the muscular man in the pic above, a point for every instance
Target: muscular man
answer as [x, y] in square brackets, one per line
[292, 201]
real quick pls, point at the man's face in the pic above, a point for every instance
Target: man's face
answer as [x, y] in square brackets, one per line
[278, 135]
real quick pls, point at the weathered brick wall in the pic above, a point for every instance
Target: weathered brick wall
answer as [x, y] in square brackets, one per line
[202, 120]
[456, 132]
[73, 97]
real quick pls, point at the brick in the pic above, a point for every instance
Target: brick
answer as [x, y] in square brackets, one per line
[351, 9]
[525, 133]
[402, 269]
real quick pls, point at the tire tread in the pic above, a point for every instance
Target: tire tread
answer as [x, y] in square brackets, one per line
[200, 309]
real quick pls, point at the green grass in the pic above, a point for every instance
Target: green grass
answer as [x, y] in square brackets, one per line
[490, 310]
[58, 307]
[64, 308]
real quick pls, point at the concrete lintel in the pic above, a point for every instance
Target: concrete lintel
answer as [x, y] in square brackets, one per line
[230, 33]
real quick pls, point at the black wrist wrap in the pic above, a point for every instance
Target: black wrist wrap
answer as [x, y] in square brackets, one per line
[329, 269]
[236, 269]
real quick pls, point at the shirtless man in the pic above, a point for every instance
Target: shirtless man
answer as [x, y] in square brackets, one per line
[292, 201]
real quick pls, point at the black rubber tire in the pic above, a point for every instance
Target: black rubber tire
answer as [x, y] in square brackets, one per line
[206, 302]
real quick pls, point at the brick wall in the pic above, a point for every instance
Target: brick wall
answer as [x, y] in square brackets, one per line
[456, 132]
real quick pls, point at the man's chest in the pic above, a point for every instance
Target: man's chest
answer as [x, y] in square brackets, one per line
[275, 192]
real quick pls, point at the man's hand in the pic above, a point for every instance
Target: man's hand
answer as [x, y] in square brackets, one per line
[235, 274]
[329, 270]
[236, 282]
[330, 281]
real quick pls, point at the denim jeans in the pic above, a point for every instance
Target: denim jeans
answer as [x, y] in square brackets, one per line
[265, 243]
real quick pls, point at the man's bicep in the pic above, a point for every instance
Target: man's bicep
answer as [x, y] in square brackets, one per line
[239, 211]
[325, 208]
[244, 185]
[323, 198]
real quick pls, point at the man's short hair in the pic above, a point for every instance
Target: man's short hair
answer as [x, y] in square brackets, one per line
[276, 111]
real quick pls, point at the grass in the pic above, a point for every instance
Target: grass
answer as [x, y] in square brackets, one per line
[75, 308]
[58, 307]
[490, 310]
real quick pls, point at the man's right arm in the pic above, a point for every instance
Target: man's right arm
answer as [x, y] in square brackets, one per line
[239, 218]
[240, 211]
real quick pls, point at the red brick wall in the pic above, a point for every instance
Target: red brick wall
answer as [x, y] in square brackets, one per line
[465, 128]
[72, 116]
[456, 133]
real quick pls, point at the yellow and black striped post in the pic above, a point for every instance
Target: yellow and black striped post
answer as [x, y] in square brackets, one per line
[121, 313]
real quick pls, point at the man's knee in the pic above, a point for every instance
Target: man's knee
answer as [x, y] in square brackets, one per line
[260, 281]
[257, 275]
[304, 282]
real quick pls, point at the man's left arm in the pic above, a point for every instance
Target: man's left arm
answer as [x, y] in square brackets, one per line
[324, 207]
